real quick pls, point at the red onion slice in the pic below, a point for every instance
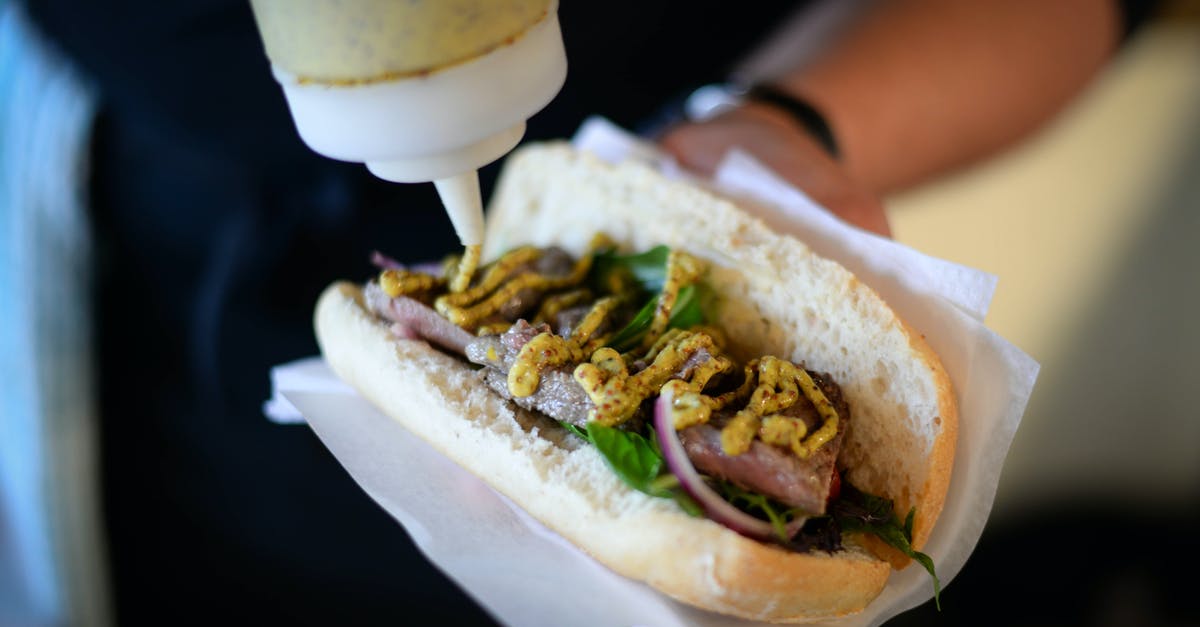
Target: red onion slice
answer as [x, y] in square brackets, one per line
[384, 262]
[716, 507]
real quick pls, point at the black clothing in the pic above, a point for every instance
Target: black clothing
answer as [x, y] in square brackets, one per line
[216, 230]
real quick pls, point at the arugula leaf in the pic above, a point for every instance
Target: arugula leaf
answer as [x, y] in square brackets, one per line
[778, 514]
[667, 486]
[687, 503]
[866, 513]
[576, 430]
[638, 462]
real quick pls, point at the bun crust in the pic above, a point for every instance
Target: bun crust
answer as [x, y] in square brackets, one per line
[776, 298]
[567, 486]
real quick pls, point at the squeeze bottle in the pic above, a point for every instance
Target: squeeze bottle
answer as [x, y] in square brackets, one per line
[418, 90]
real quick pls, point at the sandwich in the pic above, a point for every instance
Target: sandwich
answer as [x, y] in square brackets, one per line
[694, 400]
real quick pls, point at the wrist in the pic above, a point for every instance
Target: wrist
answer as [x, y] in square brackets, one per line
[799, 111]
[764, 103]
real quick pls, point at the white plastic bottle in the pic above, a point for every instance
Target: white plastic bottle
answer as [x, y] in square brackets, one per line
[418, 90]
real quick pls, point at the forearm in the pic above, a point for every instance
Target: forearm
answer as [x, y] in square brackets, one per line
[918, 87]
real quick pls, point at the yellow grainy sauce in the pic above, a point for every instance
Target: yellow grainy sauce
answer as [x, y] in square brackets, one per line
[493, 277]
[543, 351]
[617, 394]
[466, 268]
[470, 314]
[499, 285]
[345, 42]
[555, 303]
[779, 386]
[546, 350]
[404, 283]
[682, 269]
[769, 385]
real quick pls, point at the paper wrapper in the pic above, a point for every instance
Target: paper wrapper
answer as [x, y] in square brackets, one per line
[513, 566]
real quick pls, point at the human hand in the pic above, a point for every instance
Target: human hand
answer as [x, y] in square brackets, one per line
[782, 145]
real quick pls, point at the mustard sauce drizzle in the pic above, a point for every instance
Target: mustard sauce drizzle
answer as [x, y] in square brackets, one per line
[477, 303]
[547, 349]
[404, 283]
[617, 394]
[779, 385]
[769, 385]
[555, 303]
[466, 268]
[682, 269]
[493, 276]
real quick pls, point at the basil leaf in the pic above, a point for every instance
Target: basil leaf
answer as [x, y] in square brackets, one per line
[927, 562]
[629, 454]
[631, 334]
[688, 312]
[639, 463]
[897, 537]
[649, 268]
[689, 307]
[649, 271]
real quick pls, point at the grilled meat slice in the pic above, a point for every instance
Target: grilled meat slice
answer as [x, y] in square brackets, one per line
[772, 470]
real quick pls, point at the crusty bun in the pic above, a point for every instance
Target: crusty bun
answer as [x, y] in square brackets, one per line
[776, 297]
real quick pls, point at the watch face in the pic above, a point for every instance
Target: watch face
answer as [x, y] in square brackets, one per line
[710, 100]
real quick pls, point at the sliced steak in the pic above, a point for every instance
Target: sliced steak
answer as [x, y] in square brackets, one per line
[558, 395]
[500, 351]
[772, 470]
[415, 320]
[567, 320]
[554, 262]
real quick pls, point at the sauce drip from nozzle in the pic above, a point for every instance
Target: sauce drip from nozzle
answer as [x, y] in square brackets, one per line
[464, 204]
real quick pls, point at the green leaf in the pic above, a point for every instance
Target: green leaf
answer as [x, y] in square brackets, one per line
[649, 272]
[927, 562]
[631, 334]
[688, 312]
[639, 463]
[686, 503]
[858, 511]
[630, 455]
[689, 307]
[576, 430]
[778, 514]
[649, 268]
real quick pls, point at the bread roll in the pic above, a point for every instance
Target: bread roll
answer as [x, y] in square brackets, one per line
[775, 297]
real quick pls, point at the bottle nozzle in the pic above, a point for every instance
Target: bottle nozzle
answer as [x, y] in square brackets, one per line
[464, 203]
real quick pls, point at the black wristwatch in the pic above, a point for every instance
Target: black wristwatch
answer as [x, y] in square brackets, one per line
[710, 100]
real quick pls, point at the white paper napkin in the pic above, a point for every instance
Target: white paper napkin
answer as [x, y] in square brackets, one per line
[510, 563]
